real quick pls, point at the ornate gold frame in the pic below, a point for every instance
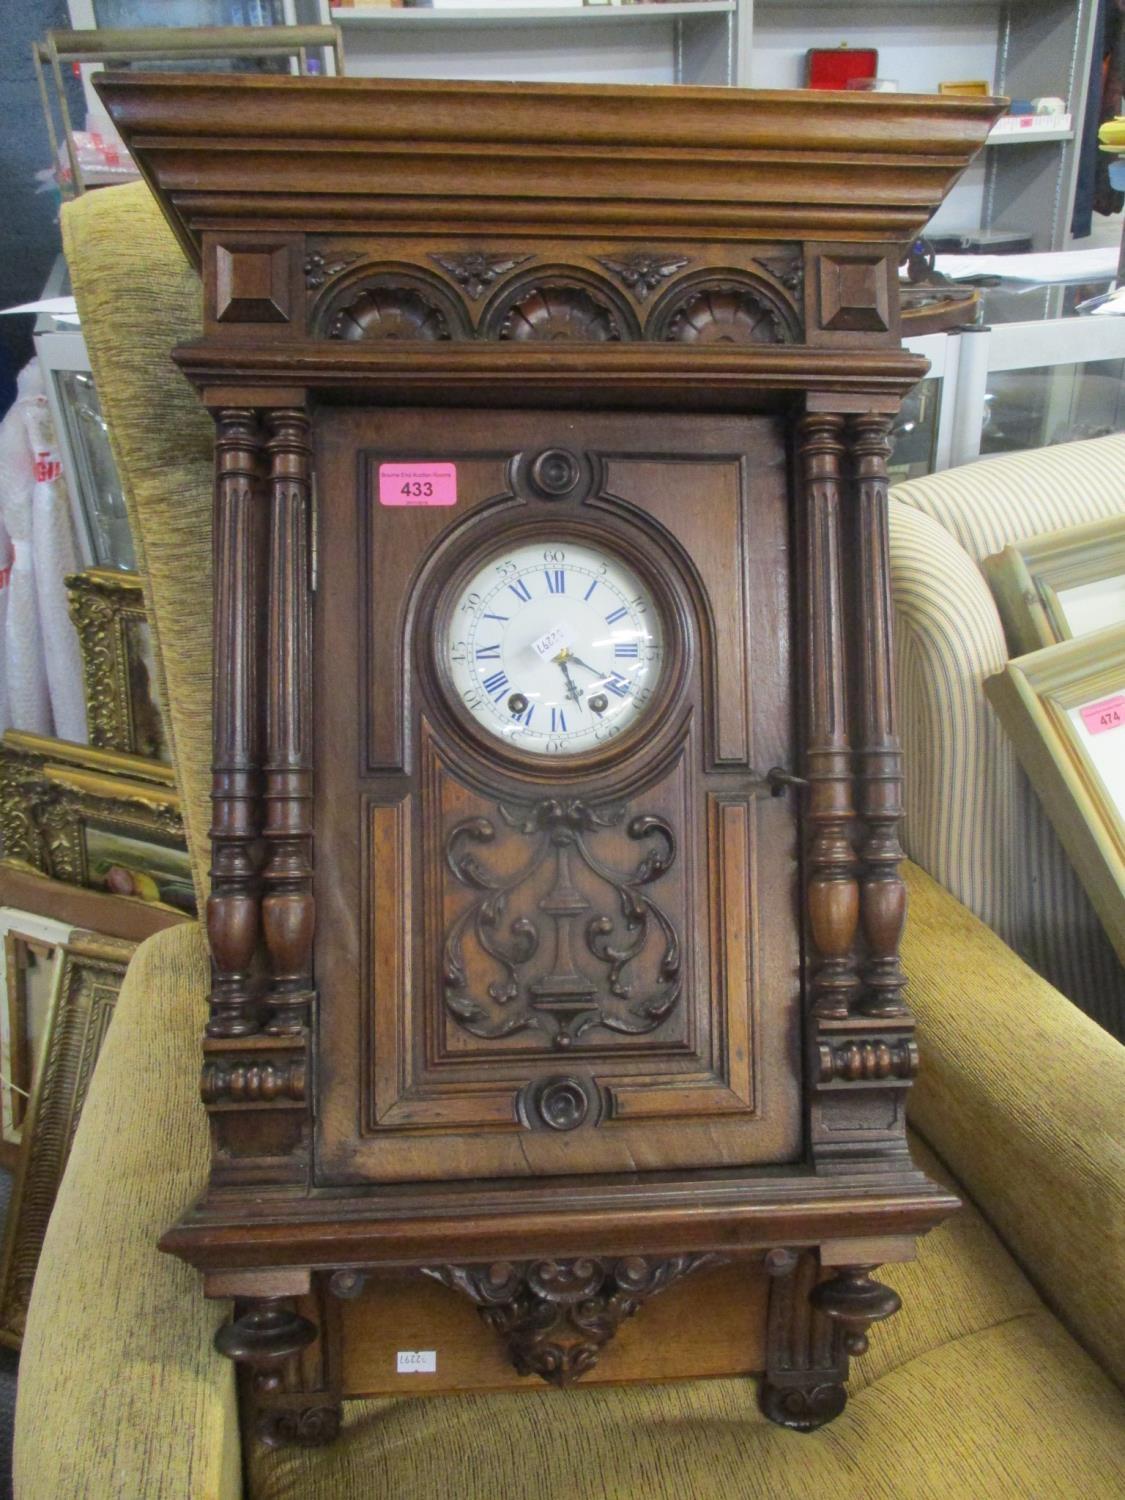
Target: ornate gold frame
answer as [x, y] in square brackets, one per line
[88, 981]
[122, 711]
[1027, 578]
[1032, 697]
[51, 792]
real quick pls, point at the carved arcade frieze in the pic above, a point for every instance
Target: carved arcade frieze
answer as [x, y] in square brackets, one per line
[658, 295]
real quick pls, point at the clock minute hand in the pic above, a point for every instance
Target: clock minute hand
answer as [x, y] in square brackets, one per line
[578, 662]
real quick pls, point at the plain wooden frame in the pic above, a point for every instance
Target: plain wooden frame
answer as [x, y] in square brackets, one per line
[1032, 697]
[1027, 577]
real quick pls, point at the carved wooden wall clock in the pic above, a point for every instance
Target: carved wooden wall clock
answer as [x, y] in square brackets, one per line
[550, 522]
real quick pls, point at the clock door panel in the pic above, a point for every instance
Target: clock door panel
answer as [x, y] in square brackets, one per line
[535, 965]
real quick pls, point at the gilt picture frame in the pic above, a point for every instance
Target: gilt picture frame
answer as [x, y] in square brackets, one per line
[94, 818]
[1060, 585]
[118, 664]
[1064, 709]
[88, 980]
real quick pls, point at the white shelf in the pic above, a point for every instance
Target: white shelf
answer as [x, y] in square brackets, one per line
[493, 15]
[1027, 137]
[862, 5]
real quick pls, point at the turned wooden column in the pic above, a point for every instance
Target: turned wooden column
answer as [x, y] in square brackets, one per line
[854, 1301]
[287, 904]
[833, 894]
[879, 754]
[232, 908]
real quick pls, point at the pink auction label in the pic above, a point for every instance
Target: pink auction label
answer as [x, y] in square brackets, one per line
[418, 484]
[1108, 714]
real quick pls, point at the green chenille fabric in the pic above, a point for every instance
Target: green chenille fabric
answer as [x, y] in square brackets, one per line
[139, 298]
[977, 1390]
[1024, 1096]
[121, 1396]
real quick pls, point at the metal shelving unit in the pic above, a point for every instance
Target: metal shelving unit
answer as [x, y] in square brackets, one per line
[518, 15]
[693, 41]
[1008, 386]
[1026, 47]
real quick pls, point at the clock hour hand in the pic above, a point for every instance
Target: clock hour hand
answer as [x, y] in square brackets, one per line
[571, 690]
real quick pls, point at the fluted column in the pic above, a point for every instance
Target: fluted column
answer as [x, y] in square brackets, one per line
[879, 754]
[833, 897]
[232, 908]
[287, 905]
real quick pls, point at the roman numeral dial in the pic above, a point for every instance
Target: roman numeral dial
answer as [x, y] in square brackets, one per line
[554, 648]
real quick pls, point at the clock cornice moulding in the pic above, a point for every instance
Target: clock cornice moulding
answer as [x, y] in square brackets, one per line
[445, 158]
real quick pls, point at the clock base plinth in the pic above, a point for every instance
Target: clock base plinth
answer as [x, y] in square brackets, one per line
[558, 1321]
[757, 1275]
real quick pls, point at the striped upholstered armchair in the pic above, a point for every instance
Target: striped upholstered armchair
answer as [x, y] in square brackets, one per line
[972, 818]
[999, 1378]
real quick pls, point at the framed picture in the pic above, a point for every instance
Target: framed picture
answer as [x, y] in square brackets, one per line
[87, 981]
[97, 503]
[108, 610]
[1064, 708]
[85, 816]
[1061, 585]
[27, 892]
[32, 951]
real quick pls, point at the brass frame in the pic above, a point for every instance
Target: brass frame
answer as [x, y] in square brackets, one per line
[104, 603]
[1032, 697]
[50, 791]
[87, 983]
[1027, 577]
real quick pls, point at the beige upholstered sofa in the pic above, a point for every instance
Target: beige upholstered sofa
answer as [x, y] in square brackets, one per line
[1000, 1378]
[972, 818]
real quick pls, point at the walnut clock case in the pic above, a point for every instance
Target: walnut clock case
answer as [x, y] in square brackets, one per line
[550, 529]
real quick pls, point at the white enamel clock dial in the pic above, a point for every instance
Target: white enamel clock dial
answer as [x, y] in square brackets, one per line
[554, 647]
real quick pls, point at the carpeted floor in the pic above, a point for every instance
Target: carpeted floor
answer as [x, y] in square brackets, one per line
[9, 1368]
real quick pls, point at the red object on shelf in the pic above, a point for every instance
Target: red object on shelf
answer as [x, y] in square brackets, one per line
[835, 67]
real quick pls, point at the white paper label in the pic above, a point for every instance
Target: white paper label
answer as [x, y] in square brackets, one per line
[553, 642]
[416, 1362]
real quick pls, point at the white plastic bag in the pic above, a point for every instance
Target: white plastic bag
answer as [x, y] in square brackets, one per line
[55, 555]
[26, 702]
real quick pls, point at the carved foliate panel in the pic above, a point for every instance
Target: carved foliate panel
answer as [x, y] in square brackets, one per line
[576, 944]
[560, 956]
